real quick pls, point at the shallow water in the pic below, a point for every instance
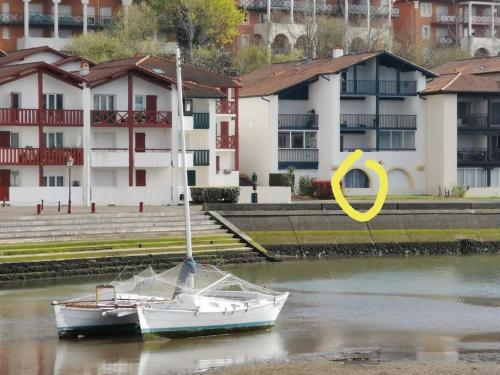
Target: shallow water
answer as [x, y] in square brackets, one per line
[424, 308]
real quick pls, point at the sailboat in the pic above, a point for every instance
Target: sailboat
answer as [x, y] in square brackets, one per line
[186, 300]
[206, 300]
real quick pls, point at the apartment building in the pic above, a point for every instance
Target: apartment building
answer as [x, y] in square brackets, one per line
[118, 124]
[472, 25]
[463, 109]
[36, 23]
[285, 24]
[310, 115]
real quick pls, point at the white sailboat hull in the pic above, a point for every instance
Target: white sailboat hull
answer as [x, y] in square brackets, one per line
[172, 321]
[72, 321]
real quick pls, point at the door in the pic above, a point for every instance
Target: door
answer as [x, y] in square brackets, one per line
[224, 134]
[4, 139]
[140, 177]
[15, 104]
[4, 184]
[151, 108]
[140, 142]
[191, 178]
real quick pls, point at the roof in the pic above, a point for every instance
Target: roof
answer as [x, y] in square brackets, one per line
[198, 83]
[21, 54]
[16, 71]
[479, 65]
[277, 77]
[461, 83]
[71, 59]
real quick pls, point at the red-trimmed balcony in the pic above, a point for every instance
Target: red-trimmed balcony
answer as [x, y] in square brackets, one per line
[154, 119]
[226, 141]
[35, 156]
[225, 107]
[49, 117]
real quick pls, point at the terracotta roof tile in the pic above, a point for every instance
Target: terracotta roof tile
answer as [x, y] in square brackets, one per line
[474, 66]
[277, 77]
[461, 83]
[12, 71]
[21, 54]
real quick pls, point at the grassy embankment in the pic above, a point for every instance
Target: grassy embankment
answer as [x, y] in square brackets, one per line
[374, 235]
[104, 248]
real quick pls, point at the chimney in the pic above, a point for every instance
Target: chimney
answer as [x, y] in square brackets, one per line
[337, 52]
[84, 68]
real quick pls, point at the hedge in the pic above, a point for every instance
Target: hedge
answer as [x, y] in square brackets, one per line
[201, 195]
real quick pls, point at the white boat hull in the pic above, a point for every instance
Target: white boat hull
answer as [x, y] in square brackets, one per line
[171, 321]
[72, 321]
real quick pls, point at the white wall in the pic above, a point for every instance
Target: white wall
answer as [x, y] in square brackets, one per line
[266, 194]
[130, 196]
[27, 196]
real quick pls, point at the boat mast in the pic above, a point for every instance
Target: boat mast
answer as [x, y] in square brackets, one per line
[187, 215]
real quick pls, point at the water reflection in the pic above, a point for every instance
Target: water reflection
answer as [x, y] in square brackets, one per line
[428, 309]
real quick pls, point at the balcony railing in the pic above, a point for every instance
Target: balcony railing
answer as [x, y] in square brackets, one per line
[362, 121]
[48, 117]
[369, 87]
[300, 158]
[474, 120]
[140, 118]
[228, 142]
[47, 19]
[226, 107]
[36, 156]
[478, 155]
[201, 158]
[201, 120]
[307, 121]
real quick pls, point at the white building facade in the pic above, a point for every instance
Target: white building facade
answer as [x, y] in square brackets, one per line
[327, 108]
[118, 122]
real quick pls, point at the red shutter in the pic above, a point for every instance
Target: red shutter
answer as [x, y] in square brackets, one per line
[140, 177]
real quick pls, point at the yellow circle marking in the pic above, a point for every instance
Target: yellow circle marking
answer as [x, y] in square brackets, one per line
[381, 194]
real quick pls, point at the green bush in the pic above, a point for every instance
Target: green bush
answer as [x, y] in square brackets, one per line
[306, 187]
[201, 195]
[279, 179]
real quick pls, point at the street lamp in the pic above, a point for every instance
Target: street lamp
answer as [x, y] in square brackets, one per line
[69, 164]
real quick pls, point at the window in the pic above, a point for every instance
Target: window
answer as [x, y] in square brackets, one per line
[356, 178]
[426, 9]
[310, 140]
[245, 40]
[297, 139]
[158, 70]
[495, 113]
[396, 140]
[91, 16]
[14, 140]
[5, 33]
[463, 109]
[139, 103]
[426, 32]
[262, 18]
[15, 100]
[104, 102]
[53, 140]
[52, 101]
[188, 107]
[53, 181]
[245, 17]
[472, 177]
[15, 178]
[283, 140]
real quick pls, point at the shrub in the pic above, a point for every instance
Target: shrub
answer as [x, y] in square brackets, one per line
[322, 189]
[215, 194]
[458, 191]
[306, 187]
[278, 179]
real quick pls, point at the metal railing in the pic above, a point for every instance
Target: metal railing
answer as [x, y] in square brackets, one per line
[474, 120]
[201, 120]
[385, 87]
[368, 121]
[289, 121]
[301, 158]
[359, 87]
[47, 19]
[397, 87]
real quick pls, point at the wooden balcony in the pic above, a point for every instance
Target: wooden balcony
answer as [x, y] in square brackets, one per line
[153, 119]
[46, 117]
[225, 107]
[226, 142]
[36, 156]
